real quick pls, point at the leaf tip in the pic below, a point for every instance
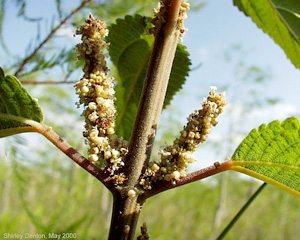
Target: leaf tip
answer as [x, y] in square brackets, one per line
[291, 123]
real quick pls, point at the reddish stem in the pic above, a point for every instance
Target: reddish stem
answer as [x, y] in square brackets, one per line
[162, 186]
[74, 155]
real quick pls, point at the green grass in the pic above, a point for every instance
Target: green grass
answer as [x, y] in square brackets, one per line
[65, 198]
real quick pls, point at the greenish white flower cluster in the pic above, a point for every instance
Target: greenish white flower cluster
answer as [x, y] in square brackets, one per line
[96, 93]
[162, 11]
[175, 158]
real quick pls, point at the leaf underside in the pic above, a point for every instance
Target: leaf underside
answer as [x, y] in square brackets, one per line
[16, 106]
[130, 50]
[272, 154]
[280, 19]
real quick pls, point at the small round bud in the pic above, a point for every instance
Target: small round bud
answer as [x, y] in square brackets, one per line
[95, 150]
[107, 103]
[191, 134]
[110, 131]
[155, 167]
[93, 116]
[94, 133]
[165, 155]
[197, 135]
[98, 140]
[175, 175]
[126, 229]
[131, 193]
[186, 157]
[102, 114]
[84, 89]
[93, 157]
[93, 76]
[115, 153]
[111, 92]
[98, 89]
[100, 100]
[142, 182]
[107, 154]
[92, 106]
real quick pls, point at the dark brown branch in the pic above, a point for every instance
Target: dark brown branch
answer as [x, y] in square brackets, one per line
[73, 154]
[50, 35]
[47, 82]
[191, 177]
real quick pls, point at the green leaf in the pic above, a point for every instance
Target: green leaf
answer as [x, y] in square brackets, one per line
[19, 112]
[272, 154]
[130, 51]
[280, 19]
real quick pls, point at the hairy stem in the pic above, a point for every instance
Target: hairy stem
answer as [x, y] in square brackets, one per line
[48, 37]
[127, 208]
[73, 154]
[153, 94]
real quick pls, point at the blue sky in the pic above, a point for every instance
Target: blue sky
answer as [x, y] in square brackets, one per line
[220, 25]
[212, 32]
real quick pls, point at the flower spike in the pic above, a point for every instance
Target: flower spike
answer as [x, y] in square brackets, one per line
[96, 93]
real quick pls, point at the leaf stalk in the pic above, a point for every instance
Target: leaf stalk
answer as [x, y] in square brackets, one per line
[72, 153]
